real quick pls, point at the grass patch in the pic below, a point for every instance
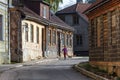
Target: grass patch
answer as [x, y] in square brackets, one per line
[95, 70]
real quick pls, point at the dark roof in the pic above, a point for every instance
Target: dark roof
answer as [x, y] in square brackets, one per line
[54, 20]
[76, 8]
[95, 5]
[29, 14]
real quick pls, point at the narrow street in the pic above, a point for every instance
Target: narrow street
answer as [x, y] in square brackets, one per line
[54, 70]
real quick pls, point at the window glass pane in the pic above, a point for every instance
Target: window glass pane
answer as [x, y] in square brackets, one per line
[54, 37]
[1, 28]
[37, 35]
[26, 32]
[98, 31]
[49, 36]
[44, 12]
[79, 40]
[113, 27]
[63, 39]
[32, 33]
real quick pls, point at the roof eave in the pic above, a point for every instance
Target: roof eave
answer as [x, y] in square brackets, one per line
[94, 7]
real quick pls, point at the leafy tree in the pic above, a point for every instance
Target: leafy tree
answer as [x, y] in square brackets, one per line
[54, 4]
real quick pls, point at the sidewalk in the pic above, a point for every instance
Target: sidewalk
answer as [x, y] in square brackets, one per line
[5, 67]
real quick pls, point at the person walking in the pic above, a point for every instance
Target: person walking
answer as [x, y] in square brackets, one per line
[64, 52]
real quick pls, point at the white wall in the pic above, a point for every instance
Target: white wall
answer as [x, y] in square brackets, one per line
[31, 50]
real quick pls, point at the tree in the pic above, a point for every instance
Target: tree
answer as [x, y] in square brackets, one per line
[54, 4]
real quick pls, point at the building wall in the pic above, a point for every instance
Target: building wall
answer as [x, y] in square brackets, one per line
[4, 55]
[104, 37]
[80, 29]
[32, 50]
[55, 49]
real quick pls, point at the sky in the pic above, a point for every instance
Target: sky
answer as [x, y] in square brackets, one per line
[67, 3]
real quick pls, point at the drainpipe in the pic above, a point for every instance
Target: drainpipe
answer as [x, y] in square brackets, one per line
[8, 13]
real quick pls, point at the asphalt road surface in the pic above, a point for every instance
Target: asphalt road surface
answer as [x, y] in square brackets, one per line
[54, 70]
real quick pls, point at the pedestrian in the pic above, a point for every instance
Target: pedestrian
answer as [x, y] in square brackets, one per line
[64, 52]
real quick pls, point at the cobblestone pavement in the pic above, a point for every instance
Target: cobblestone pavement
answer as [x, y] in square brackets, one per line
[54, 70]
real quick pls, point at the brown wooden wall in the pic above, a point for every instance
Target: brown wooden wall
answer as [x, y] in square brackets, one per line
[105, 46]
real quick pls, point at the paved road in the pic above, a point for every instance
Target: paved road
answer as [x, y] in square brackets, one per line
[55, 70]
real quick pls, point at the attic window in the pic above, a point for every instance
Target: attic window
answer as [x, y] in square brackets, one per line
[44, 12]
[75, 19]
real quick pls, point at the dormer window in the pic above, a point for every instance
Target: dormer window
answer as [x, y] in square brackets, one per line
[44, 12]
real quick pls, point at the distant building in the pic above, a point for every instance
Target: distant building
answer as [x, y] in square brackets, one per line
[104, 35]
[74, 17]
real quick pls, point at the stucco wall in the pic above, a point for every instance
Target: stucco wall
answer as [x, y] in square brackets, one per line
[31, 50]
[4, 57]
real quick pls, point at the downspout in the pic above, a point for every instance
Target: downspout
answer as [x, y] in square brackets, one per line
[8, 13]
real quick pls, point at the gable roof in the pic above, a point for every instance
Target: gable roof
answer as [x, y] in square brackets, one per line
[96, 5]
[54, 20]
[76, 8]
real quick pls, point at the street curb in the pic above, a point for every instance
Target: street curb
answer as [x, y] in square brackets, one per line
[88, 73]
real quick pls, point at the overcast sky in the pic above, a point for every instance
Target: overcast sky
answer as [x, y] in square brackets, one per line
[67, 3]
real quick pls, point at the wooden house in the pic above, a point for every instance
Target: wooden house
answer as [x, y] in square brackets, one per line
[36, 32]
[104, 35]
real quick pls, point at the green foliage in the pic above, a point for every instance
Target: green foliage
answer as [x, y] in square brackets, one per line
[88, 67]
[54, 4]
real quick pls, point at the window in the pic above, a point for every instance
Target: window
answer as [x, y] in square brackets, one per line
[70, 38]
[67, 40]
[32, 33]
[75, 19]
[44, 12]
[63, 39]
[1, 28]
[54, 37]
[79, 40]
[26, 32]
[98, 32]
[113, 27]
[37, 35]
[105, 24]
[49, 36]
